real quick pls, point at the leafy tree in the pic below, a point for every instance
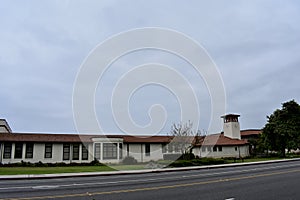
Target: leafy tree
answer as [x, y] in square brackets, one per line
[282, 130]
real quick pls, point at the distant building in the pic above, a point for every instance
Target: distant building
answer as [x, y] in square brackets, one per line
[52, 148]
[4, 127]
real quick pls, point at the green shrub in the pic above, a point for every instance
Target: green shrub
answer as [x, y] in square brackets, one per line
[198, 162]
[59, 164]
[187, 156]
[95, 163]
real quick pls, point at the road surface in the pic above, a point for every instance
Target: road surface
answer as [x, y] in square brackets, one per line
[265, 181]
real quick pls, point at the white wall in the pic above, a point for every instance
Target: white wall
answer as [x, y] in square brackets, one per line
[232, 130]
[227, 151]
[135, 150]
[39, 154]
[138, 152]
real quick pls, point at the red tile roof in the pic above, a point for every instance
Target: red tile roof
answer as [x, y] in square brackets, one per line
[221, 140]
[250, 132]
[147, 139]
[41, 137]
[25, 137]
[217, 139]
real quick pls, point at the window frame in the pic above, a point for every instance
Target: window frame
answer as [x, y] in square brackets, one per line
[97, 151]
[48, 150]
[84, 151]
[18, 150]
[120, 151]
[215, 148]
[209, 148]
[220, 148]
[147, 149]
[110, 151]
[164, 148]
[75, 151]
[66, 151]
[29, 150]
[7, 154]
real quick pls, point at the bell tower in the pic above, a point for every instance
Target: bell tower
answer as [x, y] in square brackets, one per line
[231, 126]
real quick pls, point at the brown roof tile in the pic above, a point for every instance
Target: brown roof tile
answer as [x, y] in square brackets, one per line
[217, 139]
[147, 139]
[250, 132]
[221, 140]
[25, 137]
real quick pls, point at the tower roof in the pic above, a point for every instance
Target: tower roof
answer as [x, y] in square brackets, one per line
[230, 115]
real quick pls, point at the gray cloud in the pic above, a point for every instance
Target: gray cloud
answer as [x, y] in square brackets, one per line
[255, 44]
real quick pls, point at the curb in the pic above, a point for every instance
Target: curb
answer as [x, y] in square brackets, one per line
[87, 174]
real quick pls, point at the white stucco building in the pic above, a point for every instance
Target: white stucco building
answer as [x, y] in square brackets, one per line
[52, 148]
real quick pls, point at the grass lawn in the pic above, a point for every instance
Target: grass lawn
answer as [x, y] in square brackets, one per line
[52, 170]
[67, 169]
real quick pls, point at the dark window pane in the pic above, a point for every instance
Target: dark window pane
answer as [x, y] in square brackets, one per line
[66, 152]
[75, 151]
[109, 150]
[48, 150]
[7, 151]
[220, 148]
[29, 150]
[85, 152]
[147, 149]
[18, 150]
[214, 148]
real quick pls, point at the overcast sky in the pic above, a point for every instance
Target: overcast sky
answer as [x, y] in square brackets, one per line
[255, 45]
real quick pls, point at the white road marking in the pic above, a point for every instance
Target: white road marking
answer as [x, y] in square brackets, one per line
[43, 187]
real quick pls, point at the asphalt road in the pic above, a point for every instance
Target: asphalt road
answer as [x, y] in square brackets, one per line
[265, 181]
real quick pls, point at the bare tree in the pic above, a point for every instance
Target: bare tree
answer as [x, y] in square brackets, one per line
[183, 137]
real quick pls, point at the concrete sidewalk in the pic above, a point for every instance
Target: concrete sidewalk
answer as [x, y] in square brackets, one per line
[66, 175]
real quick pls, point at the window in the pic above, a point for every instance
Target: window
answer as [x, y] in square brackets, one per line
[164, 148]
[214, 148]
[109, 150]
[48, 150]
[66, 152]
[235, 148]
[29, 150]
[18, 150]
[75, 151]
[85, 152]
[127, 149]
[147, 149]
[97, 151]
[120, 151]
[7, 150]
[176, 148]
[169, 148]
[203, 149]
[209, 149]
[219, 148]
